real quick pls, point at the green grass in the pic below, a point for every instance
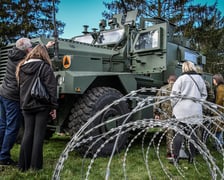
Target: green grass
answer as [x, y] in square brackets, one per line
[136, 169]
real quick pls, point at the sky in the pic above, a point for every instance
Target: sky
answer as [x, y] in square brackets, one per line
[77, 13]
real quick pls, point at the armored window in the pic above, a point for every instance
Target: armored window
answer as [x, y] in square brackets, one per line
[148, 40]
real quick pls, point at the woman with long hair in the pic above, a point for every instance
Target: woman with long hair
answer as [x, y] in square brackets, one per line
[35, 112]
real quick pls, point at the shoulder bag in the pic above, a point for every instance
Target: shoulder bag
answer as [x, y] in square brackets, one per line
[38, 90]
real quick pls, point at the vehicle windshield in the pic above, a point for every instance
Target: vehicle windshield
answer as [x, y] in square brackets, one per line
[104, 37]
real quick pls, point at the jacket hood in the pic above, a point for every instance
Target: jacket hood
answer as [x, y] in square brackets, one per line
[16, 54]
[31, 67]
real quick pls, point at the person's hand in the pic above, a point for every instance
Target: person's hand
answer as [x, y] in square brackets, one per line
[53, 114]
[50, 44]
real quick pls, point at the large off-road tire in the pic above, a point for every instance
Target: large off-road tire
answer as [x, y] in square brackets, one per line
[90, 103]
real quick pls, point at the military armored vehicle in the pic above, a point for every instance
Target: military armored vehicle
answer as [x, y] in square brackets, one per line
[100, 66]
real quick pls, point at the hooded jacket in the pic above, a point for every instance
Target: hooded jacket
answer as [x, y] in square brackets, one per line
[27, 75]
[9, 88]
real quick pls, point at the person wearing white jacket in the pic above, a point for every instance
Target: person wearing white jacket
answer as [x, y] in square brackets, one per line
[187, 95]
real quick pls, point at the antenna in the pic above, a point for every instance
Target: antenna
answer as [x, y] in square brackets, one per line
[55, 33]
[124, 6]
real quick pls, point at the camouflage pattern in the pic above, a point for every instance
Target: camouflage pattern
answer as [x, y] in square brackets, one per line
[164, 111]
[210, 92]
[169, 139]
[210, 98]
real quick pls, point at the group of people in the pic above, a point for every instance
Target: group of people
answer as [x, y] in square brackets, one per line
[187, 93]
[17, 104]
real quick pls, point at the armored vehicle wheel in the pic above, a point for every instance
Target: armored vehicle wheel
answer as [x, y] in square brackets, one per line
[93, 101]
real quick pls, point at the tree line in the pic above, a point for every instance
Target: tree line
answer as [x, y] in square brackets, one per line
[27, 18]
[202, 24]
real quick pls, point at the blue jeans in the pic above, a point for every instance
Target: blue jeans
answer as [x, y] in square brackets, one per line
[10, 117]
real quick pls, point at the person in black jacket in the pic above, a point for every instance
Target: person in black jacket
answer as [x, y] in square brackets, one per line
[10, 115]
[35, 112]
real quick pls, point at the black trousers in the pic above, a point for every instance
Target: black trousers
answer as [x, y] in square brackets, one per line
[192, 131]
[31, 152]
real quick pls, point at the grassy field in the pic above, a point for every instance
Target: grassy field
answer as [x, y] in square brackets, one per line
[75, 167]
